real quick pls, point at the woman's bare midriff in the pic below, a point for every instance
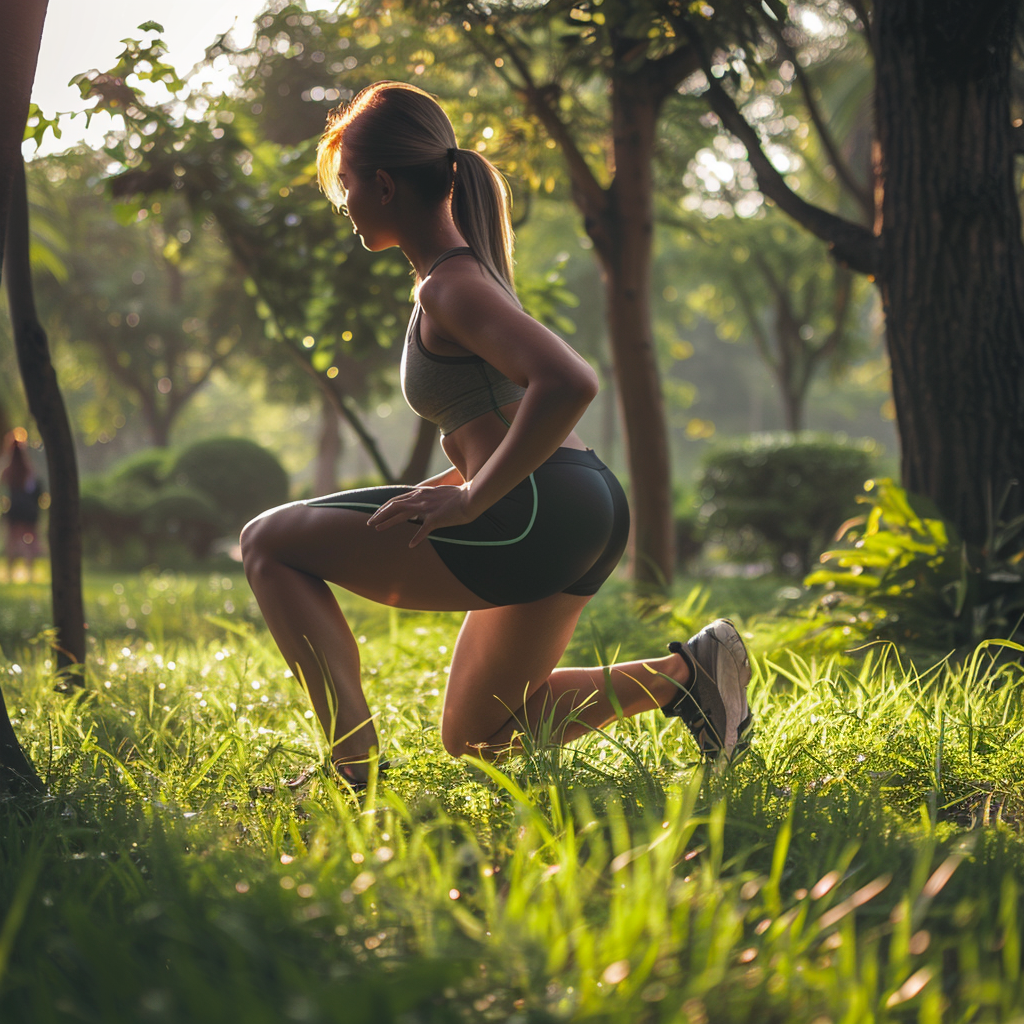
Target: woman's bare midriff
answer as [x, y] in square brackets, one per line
[472, 444]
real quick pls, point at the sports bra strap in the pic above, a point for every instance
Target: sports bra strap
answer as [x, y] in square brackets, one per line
[462, 250]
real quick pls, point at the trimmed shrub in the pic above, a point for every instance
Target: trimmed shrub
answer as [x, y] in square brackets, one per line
[183, 515]
[158, 506]
[147, 468]
[781, 497]
[239, 477]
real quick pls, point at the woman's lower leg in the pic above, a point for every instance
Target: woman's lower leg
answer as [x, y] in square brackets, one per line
[312, 634]
[575, 701]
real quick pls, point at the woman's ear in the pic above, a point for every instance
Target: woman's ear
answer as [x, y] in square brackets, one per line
[386, 184]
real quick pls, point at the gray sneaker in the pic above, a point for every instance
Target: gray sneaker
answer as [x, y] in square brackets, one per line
[713, 702]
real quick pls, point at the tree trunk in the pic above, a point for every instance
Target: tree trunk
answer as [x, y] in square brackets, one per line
[19, 49]
[46, 404]
[792, 406]
[158, 422]
[952, 271]
[623, 238]
[6, 426]
[328, 448]
[418, 464]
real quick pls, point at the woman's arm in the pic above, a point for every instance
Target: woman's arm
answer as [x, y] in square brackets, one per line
[477, 314]
[450, 476]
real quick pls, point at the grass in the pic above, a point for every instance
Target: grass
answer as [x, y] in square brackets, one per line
[862, 864]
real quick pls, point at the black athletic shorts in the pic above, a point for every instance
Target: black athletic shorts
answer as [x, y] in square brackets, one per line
[562, 530]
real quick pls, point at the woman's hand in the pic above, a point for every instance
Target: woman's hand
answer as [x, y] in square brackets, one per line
[431, 508]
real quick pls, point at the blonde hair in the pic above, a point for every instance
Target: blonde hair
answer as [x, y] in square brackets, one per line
[399, 128]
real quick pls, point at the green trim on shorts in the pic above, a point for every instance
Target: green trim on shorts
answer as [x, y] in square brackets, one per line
[450, 540]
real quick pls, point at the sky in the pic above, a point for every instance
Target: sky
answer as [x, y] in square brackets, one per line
[79, 36]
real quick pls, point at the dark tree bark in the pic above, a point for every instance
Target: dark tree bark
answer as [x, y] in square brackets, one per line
[19, 49]
[620, 221]
[952, 266]
[946, 254]
[418, 464]
[46, 404]
[623, 236]
[328, 449]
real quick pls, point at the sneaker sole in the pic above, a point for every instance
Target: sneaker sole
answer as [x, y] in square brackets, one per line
[722, 696]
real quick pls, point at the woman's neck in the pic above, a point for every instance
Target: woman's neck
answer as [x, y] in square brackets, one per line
[427, 238]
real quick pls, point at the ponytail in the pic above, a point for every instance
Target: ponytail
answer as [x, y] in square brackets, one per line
[481, 208]
[399, 128]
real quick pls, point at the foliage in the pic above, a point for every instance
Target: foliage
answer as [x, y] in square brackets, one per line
[157, 505]
[768, 282]
[918, 581]
[856, 866]
[145, 468]
[241, 478]
[146, 308]
[783, 495]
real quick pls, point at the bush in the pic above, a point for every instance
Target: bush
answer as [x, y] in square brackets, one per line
[147, 468]
[239, 477]
[783, 497]
[183, 515]
[156, 506]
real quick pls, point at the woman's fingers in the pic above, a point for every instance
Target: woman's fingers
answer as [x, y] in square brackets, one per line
[429, 509]
[397, 510]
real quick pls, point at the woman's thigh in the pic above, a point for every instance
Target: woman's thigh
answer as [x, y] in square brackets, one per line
[502, 657]
[336, 545]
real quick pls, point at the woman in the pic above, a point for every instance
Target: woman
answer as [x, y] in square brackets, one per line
[21, 507]
[527, 523]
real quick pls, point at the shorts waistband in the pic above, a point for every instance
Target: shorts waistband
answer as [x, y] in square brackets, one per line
[576, 457]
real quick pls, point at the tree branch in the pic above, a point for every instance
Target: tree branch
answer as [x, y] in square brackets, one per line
[859, 7]
[592, 197]
[862, 196]
[851, 244]
[756, 327]
[667, 72]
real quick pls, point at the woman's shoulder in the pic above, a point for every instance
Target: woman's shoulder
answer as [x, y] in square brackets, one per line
[460, 285]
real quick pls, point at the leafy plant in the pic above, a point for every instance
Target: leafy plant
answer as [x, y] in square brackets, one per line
[911, 572]
[783, 496]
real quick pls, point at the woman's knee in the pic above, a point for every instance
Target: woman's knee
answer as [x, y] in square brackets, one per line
[259, 535]
[458, 736]
[468, 733]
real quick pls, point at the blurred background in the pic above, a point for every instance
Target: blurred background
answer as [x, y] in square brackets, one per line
[223, 343]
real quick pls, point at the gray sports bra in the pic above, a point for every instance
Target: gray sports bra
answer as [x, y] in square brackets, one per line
[450, 390]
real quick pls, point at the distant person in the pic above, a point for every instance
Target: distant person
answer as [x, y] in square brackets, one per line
[22, 491]
[526, 524]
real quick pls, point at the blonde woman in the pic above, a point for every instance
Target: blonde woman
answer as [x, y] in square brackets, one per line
[526, 524]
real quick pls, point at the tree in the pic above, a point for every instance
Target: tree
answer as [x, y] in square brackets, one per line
[338, 326]
[246, 160]
[612, 185]
[151, 307]
[19, 50]
[945, 245]
[770, 281]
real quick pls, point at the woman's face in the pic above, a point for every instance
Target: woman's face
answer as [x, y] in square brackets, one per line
[366, 202]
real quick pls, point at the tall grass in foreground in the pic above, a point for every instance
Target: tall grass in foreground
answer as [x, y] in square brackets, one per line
[864, 863]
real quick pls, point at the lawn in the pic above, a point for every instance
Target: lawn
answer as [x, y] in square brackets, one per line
[863, 863]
